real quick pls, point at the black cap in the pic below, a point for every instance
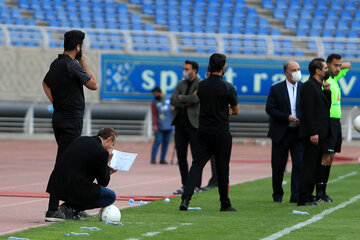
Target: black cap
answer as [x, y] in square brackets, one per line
[73, 38]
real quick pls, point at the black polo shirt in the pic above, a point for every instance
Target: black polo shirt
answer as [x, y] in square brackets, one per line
[215, 96]
[65, 79]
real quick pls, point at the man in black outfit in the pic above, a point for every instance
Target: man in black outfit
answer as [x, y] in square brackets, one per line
[214, 138]
[314, 128]
[63, 85]
[283, 106]
[186, 118]
[83, 161]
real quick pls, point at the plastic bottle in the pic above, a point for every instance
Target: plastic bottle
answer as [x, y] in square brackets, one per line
[17, 238]
[166, 200]
[90, 228]
[114, 223]
[131, 202]
[50, 108]
[300, 213]
[194, 208]
[142, 203]
[77, 234]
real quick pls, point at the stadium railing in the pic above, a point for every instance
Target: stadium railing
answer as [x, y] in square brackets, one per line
[181, 43]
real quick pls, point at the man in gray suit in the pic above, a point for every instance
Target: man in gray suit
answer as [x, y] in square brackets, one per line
[186, 117]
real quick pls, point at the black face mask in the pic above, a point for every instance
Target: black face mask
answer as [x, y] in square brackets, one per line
[326, 76]
[158, 97]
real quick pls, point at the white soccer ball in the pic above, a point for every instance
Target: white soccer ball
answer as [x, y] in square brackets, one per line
[357, 123]
[110, 213]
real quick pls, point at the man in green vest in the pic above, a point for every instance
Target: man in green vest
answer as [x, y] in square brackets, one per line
[337, 71]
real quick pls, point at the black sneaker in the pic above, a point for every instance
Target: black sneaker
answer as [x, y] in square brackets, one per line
[325, 198]
[184, 205]
[208, 187]
[179, 191]
[228, 209]
[163, 162]
[54, 216]
[196, 190]
[68, 211]
[152, 161]
[85, 214]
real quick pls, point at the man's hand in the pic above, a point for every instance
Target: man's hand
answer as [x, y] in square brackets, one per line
[230, 111]
[112, 170]
[314, 139]
[326, 85]
[110, 155]
[195, 92]
[179, 96]
[155, 129]
[293, 119]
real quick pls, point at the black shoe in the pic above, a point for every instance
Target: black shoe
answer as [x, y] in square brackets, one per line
[208, 187]
[228, 209]
[184, 205]
[68, 211]
[179, 191]
[324, 198]
[163, 162]
[54, 216]
[152, 161]
[84, 214]
[196, 190]
[278, 200]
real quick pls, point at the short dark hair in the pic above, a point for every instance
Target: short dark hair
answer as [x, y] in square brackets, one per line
[193, 64]
[107, 132]
[72, 39]
[217, 61]
[333, 56]
[156, 89]
[316, 63]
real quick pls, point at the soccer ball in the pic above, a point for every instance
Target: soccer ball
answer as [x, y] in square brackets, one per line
[357, 123]
[110, 213]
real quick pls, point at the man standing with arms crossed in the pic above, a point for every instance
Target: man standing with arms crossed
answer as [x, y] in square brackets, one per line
[333, 144]
[185, 118]
[216, 96]
[63, 85]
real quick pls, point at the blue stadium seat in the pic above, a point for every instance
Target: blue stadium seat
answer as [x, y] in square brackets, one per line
[349, 5]
[346, 15]
[314, 33]
[336, 5]
[251, 12]
[292, 14]
[303, 24]
[321, 4]
[279, 14]
[353, 33]
[301, 32]
[308, 4]
[281, 4]
[349, 54]
[290, 24]
[305, 14]
[338, 45]
[275, 32]
[351, 46]
[332, 14]
[343, 25]
[268, 4]
[299, 53]
[311, 45]
[340, 33]
[355, 25]
[263, 30]
[327, 33]
[294, 4]
[316, 24]
[319, 14]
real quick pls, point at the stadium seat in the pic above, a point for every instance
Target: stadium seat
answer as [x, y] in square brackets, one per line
[327, 33]
[353, 34]
[279, 14]
[268, 4]
[332, 14]
[319, 14]
[294, 4]
[292, 14]
[321, 4]
[336, 5]
[346, 15]
[342, 25]
[281, 4]
[299, 53]
[308, 4]
[301, 32]
[305, 14]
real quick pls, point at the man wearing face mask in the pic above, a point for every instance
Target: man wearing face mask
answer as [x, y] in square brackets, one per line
[214, 137]
[63, 85]
[161, 118]
[185, 118]
[315, 102]
[337, 69]
[283, 107]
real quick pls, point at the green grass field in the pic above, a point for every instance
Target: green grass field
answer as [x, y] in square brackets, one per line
[257, 217]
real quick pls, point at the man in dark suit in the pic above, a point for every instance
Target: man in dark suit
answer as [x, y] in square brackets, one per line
[72, 180]
[315, 102]
[283, 106]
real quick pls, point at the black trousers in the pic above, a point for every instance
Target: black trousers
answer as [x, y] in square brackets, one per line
[184, 136]
[65, 131]
[279, 157]
[213, 181]
[219, 145]
[311, 168]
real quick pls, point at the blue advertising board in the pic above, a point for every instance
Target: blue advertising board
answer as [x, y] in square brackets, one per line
[133, 77]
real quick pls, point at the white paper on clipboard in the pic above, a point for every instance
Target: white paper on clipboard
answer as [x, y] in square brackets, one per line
[122, 160]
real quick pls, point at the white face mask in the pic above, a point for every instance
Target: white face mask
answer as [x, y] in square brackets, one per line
[186, 75]
[296, 76]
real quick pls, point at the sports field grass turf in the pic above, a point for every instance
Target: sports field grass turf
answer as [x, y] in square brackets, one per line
[257, 217]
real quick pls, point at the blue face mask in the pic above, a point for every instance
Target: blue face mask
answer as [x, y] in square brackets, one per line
[186, 75]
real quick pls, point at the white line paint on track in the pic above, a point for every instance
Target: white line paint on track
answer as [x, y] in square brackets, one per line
[343, 176]
[311, 220]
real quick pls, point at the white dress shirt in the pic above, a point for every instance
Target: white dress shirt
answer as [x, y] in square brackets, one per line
[292, 90]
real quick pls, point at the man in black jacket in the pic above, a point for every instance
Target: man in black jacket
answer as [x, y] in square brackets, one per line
[314, 127]
[72, 180]
[283, 106]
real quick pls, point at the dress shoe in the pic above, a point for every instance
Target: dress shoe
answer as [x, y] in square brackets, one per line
[228, 209]
[208, 187]
[278, 200]
[163, 162]
[184, 205]
[152, 161]
[196, 190]
[179, 191]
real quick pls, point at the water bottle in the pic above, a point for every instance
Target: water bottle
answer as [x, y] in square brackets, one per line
[131, 202]
[194, 208]
[142, 203]
[50, 108]
[17, 238]
[114, 223]
[77, 234]
[300, 213]
[90, 228]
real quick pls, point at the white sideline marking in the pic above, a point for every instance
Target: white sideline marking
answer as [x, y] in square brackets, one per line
[343, 176]
[311, 220]
[170, 228]
[150, 234]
